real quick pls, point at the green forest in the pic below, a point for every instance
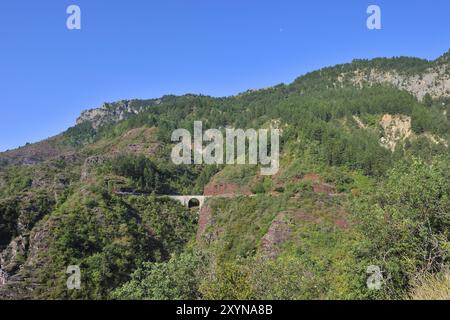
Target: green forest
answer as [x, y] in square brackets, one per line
[343, 200]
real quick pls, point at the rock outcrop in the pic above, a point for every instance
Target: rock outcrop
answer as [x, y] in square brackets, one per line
[13, 256]
[434, 81]
[205, 219]
[114, 112]
[277, 234]
[396, 128]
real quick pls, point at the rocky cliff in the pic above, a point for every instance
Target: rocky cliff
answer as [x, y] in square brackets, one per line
[433, 77]
[116, 111]
[109, 112]
[435, 80]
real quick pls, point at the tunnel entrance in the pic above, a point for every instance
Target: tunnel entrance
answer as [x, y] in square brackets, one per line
[193, 203]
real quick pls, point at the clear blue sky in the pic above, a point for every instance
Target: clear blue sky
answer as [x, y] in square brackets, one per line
[148, 48]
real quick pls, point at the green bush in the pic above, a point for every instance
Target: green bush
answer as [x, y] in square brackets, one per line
[177, 279]
[406, 223]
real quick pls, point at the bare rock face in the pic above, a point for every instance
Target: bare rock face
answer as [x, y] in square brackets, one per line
[39, 242]
[109, 113]
[205, 219]
[278, 233]
[20, 286]
[396, 128]
[434, 81]
[281, 228]
[18, 278]
[13, 256]
[12, 260]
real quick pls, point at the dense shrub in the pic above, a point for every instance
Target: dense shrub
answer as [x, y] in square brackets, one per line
[406, 223]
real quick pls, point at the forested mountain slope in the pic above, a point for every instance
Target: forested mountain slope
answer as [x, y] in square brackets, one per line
[363, 181]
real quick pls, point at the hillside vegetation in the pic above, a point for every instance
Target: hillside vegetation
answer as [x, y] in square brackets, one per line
[363, 182]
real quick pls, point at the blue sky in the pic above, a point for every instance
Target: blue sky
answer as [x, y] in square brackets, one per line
[148, 48]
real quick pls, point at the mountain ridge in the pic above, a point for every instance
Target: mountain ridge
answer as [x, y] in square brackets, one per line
[113, 112]
[117, 111]
[352, 154]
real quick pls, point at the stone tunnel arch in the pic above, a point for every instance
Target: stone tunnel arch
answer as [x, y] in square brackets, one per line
[193, 203]
[186, 201]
